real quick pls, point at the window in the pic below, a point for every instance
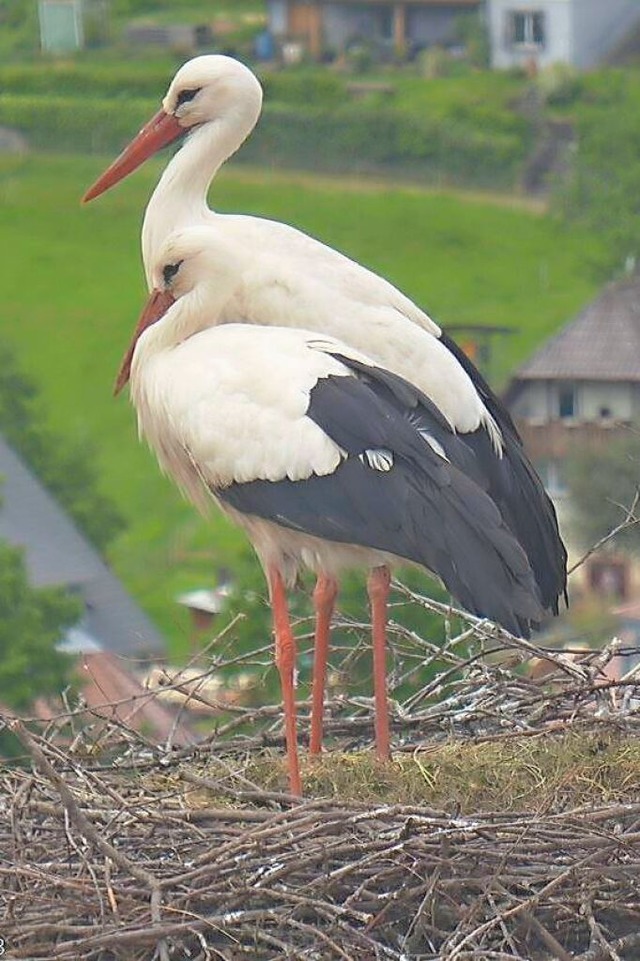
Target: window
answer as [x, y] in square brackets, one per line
[526, 28]
[567, 402]
[386, 23]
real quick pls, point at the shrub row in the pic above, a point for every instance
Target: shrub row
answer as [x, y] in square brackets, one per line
[120, 80]
[603, 185]
[308, 89]
[350, 138]
[73, 124]
[480, 102]
[125, 80]
[356, 139]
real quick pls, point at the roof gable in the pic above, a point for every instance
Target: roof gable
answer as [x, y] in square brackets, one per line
[57, 554]
[601, 343]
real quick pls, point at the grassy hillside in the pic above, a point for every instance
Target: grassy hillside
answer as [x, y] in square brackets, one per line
[73, 288]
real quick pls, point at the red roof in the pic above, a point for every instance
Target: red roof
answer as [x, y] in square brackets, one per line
[111, 691]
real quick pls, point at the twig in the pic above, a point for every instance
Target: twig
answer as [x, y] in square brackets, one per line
[86, 828]
[630, 520]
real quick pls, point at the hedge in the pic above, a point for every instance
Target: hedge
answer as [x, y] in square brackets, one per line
[73, 124]
[127, 80]
[307, 89]
[122, 81]
[350, 138]
[355, 139]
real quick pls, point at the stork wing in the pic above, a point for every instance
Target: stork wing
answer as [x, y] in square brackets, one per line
[393, 492]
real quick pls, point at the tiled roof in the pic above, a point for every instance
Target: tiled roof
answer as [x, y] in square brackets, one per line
[602, 343]
[57, 554]
[110, 690]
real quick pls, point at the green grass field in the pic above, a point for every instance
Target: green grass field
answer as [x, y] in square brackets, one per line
[73, 288]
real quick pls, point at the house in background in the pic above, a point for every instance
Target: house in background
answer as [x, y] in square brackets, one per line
[581, 390]
[58, 555]
[113, 635]
[583, 33]
[401, 26]
[522, 33]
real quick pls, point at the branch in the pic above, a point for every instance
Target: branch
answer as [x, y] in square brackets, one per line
[630, 520]
[88, 830]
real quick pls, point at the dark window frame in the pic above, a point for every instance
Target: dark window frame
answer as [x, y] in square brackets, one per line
[568, 407]
[526, 29]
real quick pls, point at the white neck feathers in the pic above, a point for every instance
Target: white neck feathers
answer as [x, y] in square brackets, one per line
[180, 198]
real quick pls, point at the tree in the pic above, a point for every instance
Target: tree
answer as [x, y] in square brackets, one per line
[602, 485]
[603, 190]
[472, 31]
[32, 621]
[67, 469]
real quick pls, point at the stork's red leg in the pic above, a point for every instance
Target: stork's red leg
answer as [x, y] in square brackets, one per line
[378, 589]
[286, 664]
[324, 599]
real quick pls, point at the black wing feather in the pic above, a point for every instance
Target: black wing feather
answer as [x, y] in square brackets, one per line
[520, 494]
[424, 508]
[510, 480]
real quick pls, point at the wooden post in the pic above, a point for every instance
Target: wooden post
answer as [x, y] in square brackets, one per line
[304, 22]
[400, 29]
[315, 30]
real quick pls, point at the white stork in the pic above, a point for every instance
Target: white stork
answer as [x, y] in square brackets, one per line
[326, 459]
[217, 101]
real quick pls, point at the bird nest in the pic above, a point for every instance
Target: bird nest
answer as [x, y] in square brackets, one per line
[507, 826]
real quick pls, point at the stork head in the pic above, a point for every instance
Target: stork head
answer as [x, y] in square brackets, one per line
[196, 272]
[206, 89]
[212, 87]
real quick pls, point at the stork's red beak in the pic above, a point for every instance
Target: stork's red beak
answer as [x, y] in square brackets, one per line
[162, 129]
[156, 307]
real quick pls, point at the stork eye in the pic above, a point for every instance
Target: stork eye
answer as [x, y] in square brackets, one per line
[169, 271]
[186, 96]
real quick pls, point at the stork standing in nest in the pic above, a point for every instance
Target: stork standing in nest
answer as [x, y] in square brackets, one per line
[211, 106]
[327, 460]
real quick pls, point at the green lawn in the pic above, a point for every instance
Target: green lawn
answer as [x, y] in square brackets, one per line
[73, 288]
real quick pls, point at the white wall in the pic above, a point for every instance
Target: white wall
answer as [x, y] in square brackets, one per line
[580, 32]
[558, 30]
[599, 26]
[532, 404]
[597, 396]
[277, 17]
[538, 401]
